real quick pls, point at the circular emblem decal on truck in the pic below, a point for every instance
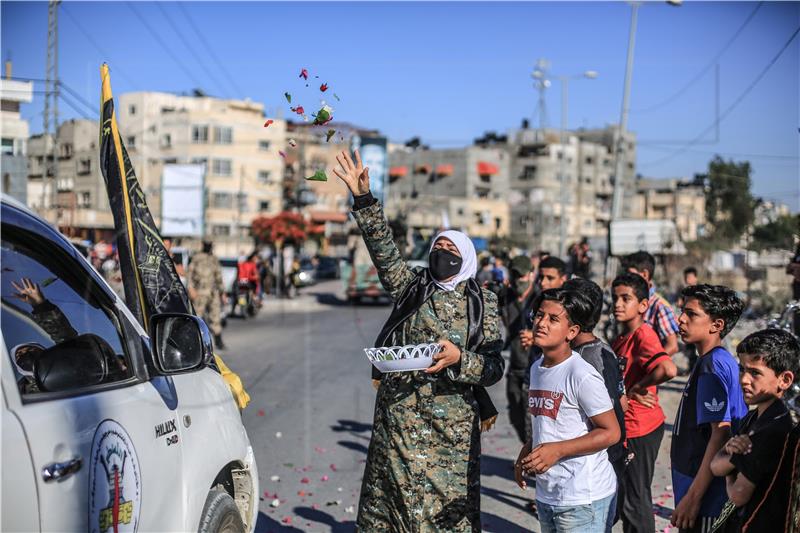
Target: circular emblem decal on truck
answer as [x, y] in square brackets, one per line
[115, 491]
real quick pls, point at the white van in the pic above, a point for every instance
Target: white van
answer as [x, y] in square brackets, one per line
[104, 428]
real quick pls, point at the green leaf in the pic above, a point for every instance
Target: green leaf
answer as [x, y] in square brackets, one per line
[48, 282]
[329, 134]
[288, 97]
[319, 175]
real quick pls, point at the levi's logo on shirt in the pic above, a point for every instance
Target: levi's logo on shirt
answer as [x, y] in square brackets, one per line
[544, 402]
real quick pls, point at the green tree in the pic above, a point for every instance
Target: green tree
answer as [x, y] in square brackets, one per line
[729, 204]
[777, 234]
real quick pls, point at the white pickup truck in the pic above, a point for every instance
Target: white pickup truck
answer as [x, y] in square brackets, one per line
[105, 429]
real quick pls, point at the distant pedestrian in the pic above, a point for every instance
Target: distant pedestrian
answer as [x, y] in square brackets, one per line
[206, 291]
[689, 280]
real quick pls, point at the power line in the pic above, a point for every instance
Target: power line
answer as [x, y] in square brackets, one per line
[166, 48]
[731, 107]
[75, 108]
[78, 97]
[96, 46]
[190, 48]
[656, 146]
[705, 69]
[211, 53]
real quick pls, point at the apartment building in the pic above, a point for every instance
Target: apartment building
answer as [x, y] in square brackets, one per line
[537, 199]
[464, 188]
[244, 171]
[15, 132]
[681, 200]
[74, 197]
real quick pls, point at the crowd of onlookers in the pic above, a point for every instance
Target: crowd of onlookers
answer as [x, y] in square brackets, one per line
[591, 426]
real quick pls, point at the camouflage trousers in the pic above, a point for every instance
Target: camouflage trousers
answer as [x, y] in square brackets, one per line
[208, 307]
[423, 467]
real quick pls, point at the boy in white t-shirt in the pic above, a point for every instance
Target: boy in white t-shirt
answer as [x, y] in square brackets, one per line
[572, 423]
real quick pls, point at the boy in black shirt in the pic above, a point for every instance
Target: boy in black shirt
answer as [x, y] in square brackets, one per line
[768, 363]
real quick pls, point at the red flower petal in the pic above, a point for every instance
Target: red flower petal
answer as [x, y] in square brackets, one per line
[304, 74]
[268, 122]
[323, 87]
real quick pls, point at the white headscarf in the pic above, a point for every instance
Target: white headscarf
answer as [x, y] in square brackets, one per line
[469, 264]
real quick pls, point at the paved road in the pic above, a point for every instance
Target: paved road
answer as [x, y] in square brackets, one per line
[310, 418]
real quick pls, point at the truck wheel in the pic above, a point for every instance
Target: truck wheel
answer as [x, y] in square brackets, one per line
[220, 514]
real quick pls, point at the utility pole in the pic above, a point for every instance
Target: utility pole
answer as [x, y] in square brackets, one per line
[542, 84]
[51, 103]
[616, 204]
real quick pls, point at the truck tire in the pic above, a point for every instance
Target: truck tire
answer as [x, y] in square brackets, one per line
[220, 514]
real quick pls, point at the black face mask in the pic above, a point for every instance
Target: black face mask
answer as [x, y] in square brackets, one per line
[444, 264]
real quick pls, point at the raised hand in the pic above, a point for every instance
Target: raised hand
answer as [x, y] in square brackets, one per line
[354, 175]
[28, 291]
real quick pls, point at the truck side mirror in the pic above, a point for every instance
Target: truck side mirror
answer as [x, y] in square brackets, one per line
[77, 362]
[180, 342]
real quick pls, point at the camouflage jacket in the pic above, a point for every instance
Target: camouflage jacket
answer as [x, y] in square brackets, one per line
[423, 466]
[205, 274]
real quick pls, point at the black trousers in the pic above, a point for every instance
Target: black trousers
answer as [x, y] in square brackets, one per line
[517, 394]
[635, 492]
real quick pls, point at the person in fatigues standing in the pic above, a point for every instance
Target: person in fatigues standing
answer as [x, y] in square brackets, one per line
[204, 278]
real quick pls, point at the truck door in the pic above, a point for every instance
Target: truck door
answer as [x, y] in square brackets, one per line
[104, 442]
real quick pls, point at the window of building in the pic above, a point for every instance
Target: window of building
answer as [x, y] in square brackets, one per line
[222, 167]
[171, 161]
[223, 135]
[166, 141]
[220, 230]
[263, 205]
[165, 110]
[66, 150]
[243, 204]
[86, 199]
[528, 173]
[263, 176]
[263, 145]
[199, 161]
[85, 165]
[74, 314]
[199, 134]
[589, 160]
[132, 109]
[223, 200]
[8, 146]
[130, 141]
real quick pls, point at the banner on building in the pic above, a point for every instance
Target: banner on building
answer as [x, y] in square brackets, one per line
[373, 155]
[183, 201]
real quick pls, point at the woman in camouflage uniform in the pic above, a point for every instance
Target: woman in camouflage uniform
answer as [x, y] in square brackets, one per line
[423, 466]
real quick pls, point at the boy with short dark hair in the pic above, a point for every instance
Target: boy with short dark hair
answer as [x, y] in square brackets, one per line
[573, 423]
[768, 363]
[647, 365]
[552, 273]
[600, 355]
[711, 407]
[659, 313]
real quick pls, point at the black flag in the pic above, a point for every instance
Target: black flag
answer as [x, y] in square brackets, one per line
[151, 282]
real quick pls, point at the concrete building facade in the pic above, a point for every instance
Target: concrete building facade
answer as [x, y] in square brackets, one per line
[15, 133]
[681, 200]
[465, 188]
[244, 171]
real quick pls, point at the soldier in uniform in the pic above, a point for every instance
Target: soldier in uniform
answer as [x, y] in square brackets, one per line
[423, 466]
[204, 278]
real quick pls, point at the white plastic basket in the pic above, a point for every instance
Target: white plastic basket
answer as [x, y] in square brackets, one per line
[403, 358]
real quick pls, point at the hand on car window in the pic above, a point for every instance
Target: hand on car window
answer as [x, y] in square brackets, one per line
[29, 292]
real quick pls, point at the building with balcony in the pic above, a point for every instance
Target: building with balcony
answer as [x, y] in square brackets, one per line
[15, 132]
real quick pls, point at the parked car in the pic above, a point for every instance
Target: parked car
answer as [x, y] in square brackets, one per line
[306, 277]
[104, 427]
[327, 268]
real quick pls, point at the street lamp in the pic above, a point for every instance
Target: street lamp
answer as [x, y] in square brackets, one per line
[562, 227]
[616, 203]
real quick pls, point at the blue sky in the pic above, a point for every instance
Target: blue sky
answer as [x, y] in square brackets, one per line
[450, 71]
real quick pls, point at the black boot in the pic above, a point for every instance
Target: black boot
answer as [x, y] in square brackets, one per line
[218, 342]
